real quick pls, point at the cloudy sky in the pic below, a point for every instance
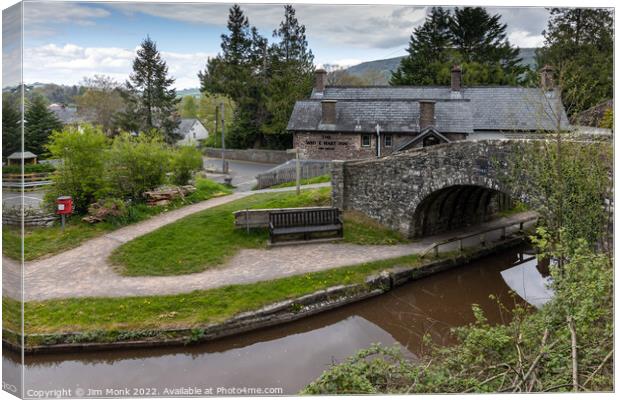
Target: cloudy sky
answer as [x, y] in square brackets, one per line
[64, 42]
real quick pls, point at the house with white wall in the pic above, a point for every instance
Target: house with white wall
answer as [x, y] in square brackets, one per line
[192, 131]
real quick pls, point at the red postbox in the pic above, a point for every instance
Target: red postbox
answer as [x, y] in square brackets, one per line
[64, 205]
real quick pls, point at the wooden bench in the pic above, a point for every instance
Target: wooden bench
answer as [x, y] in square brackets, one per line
[305, 222]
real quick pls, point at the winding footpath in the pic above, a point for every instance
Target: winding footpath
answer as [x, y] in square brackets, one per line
[85, 272]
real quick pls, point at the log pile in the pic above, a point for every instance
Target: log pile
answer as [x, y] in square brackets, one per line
[163, 196]
[100, 211]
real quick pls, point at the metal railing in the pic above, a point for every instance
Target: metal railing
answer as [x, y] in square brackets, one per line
[481, 234]
[287, 172]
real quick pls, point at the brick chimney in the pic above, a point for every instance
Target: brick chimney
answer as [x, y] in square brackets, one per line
[546, 77]
[427, 114]
[456, 78]
[328, 112]
[320, 79]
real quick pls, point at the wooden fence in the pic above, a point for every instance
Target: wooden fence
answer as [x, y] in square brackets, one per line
[26, 181]
[287, 172]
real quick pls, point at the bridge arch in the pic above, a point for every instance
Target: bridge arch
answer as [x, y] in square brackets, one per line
[432, 189]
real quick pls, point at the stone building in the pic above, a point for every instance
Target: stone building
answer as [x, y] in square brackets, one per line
[346, 122]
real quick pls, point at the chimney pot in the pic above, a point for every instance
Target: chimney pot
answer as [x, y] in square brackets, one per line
[546, 77]
[328, 111]
[427, 114]
[320, 79]
[456, 78]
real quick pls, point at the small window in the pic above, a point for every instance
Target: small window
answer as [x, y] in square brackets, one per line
[365, 140]
[194, 134]
[388, 140]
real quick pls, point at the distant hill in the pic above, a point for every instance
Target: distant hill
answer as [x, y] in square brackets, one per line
[194, 92]
[386, 66]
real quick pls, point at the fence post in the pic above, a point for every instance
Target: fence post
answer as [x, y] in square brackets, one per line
[436, 251]
[460, 245]
[483, 239]
[503, 232]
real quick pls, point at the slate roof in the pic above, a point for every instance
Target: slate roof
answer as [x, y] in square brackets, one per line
[186, 124]
[67, 115]
[391, 115]
[396, 109]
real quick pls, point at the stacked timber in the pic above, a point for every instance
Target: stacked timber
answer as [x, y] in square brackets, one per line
[164, 195]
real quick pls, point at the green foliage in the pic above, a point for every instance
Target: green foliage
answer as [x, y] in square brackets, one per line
[100, 101]
[39, 125]
[136, 164]
[579, 44]
[567, 183]
[263, 81]
[28, 168]
[188, 107]
[82, 172]
[291, 78]
[11, 129]
[185, 161]
[469, 37]
[152, 101]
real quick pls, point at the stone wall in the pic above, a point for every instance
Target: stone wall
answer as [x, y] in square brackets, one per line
[253, 155]
[430, 189]
[346, 146]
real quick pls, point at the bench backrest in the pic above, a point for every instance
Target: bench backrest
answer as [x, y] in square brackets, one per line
[283, 219]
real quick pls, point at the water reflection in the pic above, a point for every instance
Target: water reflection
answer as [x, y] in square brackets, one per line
[292, 355]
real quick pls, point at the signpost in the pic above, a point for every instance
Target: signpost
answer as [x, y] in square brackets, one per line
[297, 167]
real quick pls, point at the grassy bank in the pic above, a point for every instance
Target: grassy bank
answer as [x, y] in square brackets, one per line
[306, 181]
[183, 310]
[208, 238]
[39, 242]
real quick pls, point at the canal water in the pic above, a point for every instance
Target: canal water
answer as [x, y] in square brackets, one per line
[292, 355]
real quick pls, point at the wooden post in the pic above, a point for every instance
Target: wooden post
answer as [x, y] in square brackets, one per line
[436, 251]
[483, 239]
[503, 232]
[460, 245]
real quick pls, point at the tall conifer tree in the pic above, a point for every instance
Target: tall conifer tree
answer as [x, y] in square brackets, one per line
[11, 129]
[40, 123]
[151, 97]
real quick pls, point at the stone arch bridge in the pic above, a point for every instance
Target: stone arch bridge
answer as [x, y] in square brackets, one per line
[431, 189]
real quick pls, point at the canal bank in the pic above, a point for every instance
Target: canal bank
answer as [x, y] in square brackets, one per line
[274, 314]
[291, 355]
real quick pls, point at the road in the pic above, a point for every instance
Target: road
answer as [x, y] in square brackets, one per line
[243, 173]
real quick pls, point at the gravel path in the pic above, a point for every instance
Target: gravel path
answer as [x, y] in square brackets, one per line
[85, 272]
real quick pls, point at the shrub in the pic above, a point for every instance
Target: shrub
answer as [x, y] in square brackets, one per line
[136, 164]
[185, 161]
[81, 174]
[28, 168]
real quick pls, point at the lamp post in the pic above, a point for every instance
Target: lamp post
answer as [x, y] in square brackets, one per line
[297, 168]
[224, 168]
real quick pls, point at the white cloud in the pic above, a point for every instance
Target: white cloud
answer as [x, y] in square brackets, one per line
[525, 39]
[68, 64]
[44, 19]
[357, 25]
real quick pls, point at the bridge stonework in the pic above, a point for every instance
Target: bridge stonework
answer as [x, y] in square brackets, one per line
[431, 189]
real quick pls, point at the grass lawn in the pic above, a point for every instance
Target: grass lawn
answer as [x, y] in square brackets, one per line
[208, 238]
[183, 310]
[39, 242]
[306, 181]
